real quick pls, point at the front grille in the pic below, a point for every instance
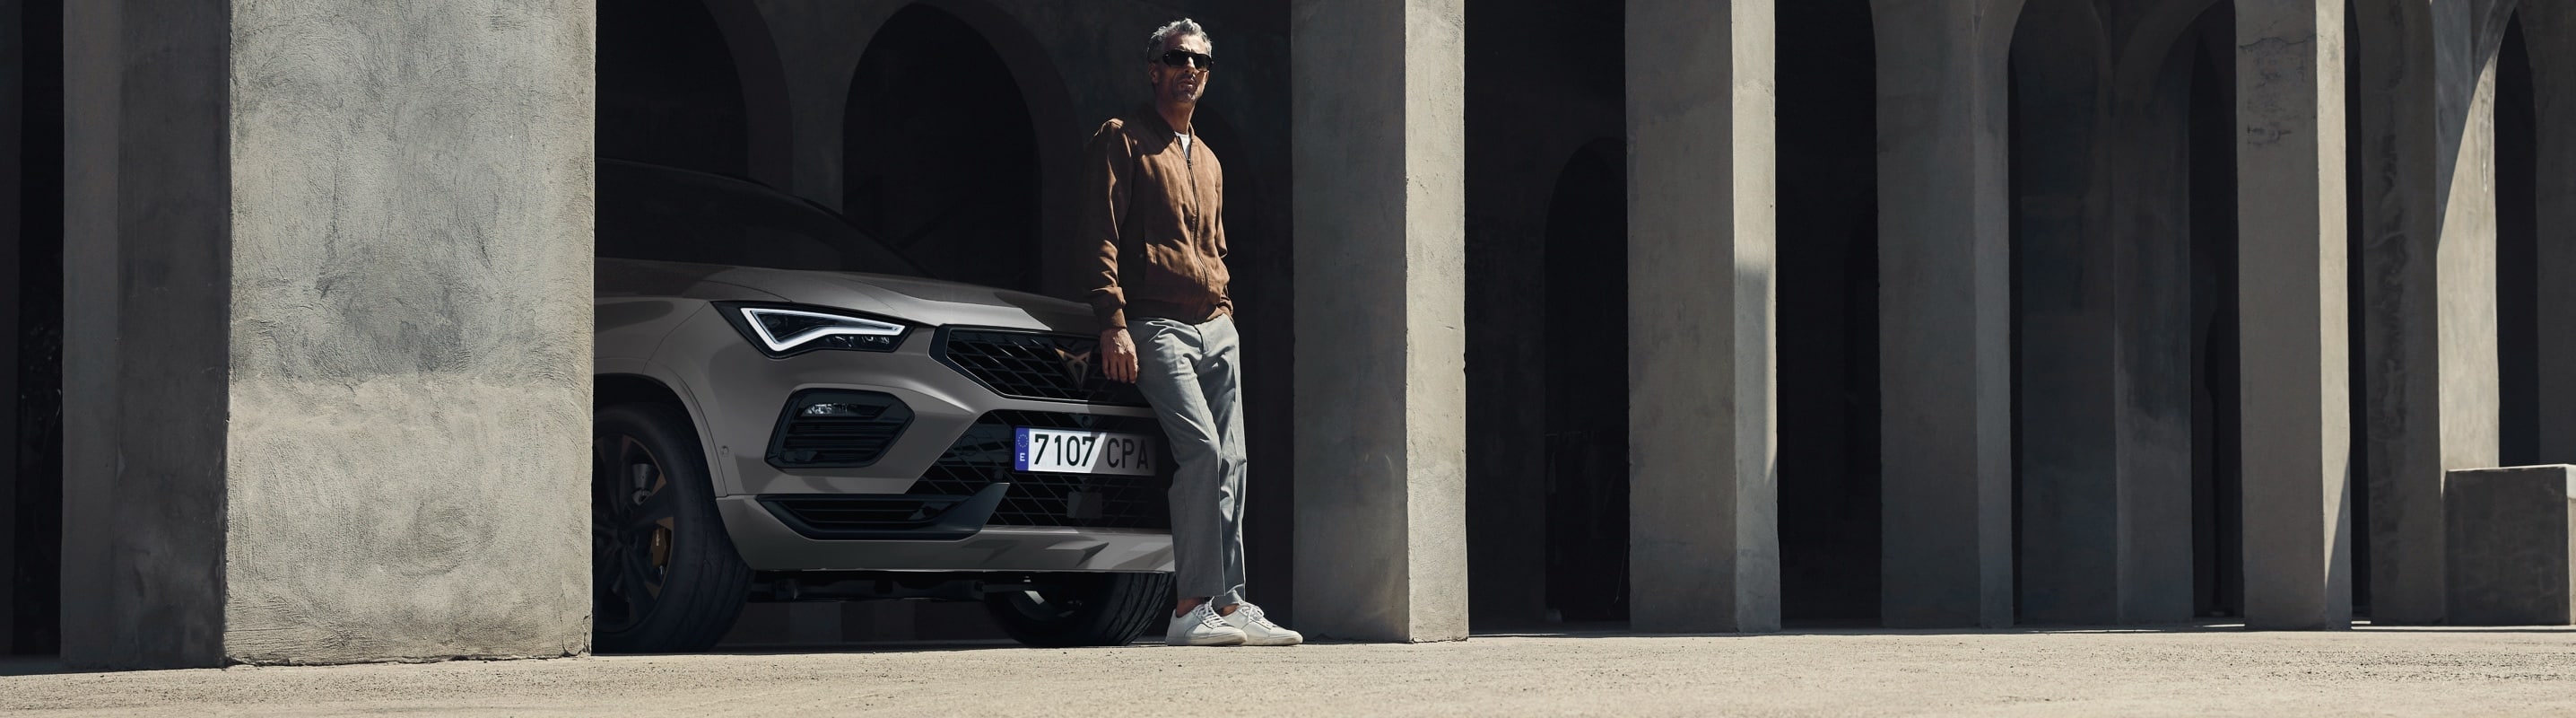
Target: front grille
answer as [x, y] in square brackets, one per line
[1031, 365]
[861, 513]
[828, 428]
[984, 455]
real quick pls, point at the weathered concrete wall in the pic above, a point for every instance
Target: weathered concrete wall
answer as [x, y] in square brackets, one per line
[2511, 534]
[1705, 546]
[411, 331]
[1944, 313]
[2291, 250]
[1380, 518]
[333, 263]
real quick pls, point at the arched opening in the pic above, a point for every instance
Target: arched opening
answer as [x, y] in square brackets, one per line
[941, 156]
[2068, 532]
[669, 91]
[1546, 217]
[1586, 365]
[2517, 185]
[1827, 350]
[31, 307]
[2217, 521]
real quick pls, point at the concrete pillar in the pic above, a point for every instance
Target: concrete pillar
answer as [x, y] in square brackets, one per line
[2152, 306]
[1945, 369]
[2427, 140]
[328, 283]
[2290, 210]
[1705, 539]
[2549, 30]
[1379, 128]
[2103, 260]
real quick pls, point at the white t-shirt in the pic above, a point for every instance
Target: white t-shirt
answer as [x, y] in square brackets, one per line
[1185, 142]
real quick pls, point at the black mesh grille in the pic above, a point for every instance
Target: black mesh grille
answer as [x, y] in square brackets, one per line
[864, 513]
[855, 430]
[1030, 365]
[984, 455]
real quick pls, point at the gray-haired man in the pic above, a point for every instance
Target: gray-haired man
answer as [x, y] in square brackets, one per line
[1153, 207]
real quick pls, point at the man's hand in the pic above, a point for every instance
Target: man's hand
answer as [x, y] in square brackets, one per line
[1118, 356]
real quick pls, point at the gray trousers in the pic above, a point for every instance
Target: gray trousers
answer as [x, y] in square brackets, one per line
[1190, 373]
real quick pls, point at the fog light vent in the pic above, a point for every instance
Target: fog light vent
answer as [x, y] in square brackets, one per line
[831, 428]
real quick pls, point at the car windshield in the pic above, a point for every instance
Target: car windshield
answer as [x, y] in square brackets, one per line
[665, 214]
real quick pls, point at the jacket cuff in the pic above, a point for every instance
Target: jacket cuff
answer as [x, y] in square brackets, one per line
[1115, 318]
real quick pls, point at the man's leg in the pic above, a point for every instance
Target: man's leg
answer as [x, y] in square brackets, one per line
[1168, 358]
[1221, 386]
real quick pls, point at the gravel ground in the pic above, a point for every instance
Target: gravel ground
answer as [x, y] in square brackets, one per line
[2382, 671]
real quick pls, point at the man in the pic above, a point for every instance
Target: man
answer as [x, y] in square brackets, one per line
[1153, 199]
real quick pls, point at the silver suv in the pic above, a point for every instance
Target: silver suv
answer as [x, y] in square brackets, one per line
[780, 434]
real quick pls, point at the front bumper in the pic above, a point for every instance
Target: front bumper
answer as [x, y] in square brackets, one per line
[769, 545]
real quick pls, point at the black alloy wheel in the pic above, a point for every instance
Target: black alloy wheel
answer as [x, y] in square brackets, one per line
[665, 578]
[1065, 610]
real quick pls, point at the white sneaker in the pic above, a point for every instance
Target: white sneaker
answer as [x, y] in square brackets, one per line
[1258, 630]
[1202, 627]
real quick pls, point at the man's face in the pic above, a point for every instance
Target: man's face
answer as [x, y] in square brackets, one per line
[1179, 85]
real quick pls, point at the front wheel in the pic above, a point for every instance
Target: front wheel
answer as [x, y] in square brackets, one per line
[665, 577]
[1084, 609]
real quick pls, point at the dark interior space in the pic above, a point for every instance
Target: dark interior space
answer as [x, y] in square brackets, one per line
[31, 371]
[2517, 251]
[2217, 529]
[1828, 315]
[668, 90]
[1546, 317]
[941, 154]
[1587, 388]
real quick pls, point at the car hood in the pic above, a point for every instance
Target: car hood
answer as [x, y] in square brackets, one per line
[911, 299]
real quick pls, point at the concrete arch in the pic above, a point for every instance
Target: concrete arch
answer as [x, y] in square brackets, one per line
[763, 75]
[2099, 541]
[1059, 133]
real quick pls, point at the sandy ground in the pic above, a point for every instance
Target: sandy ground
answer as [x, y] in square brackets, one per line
[2382, 671]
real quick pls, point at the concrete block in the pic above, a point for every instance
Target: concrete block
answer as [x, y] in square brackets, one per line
[2512, 546]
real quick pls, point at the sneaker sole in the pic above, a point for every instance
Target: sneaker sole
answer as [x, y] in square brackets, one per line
[1213, 641]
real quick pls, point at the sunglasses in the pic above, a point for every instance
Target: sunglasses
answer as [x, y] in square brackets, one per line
[1185, 58]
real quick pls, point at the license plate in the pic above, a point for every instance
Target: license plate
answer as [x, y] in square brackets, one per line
[1084, 452]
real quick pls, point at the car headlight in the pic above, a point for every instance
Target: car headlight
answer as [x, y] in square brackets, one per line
[780, 330]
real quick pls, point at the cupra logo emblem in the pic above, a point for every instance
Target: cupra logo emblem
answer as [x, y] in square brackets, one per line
[1076, 365]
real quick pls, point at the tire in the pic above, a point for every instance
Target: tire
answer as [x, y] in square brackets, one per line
[1084, 609]
[664, 576]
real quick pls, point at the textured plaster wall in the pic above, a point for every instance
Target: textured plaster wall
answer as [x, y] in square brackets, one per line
[410, 331]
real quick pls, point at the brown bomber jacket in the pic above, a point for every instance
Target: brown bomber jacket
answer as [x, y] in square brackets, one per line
[1155, 217]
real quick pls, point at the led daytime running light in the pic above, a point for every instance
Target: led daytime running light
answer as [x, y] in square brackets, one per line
[852, 326]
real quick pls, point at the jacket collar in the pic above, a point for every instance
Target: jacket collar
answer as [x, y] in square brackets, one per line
[1154, 120]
